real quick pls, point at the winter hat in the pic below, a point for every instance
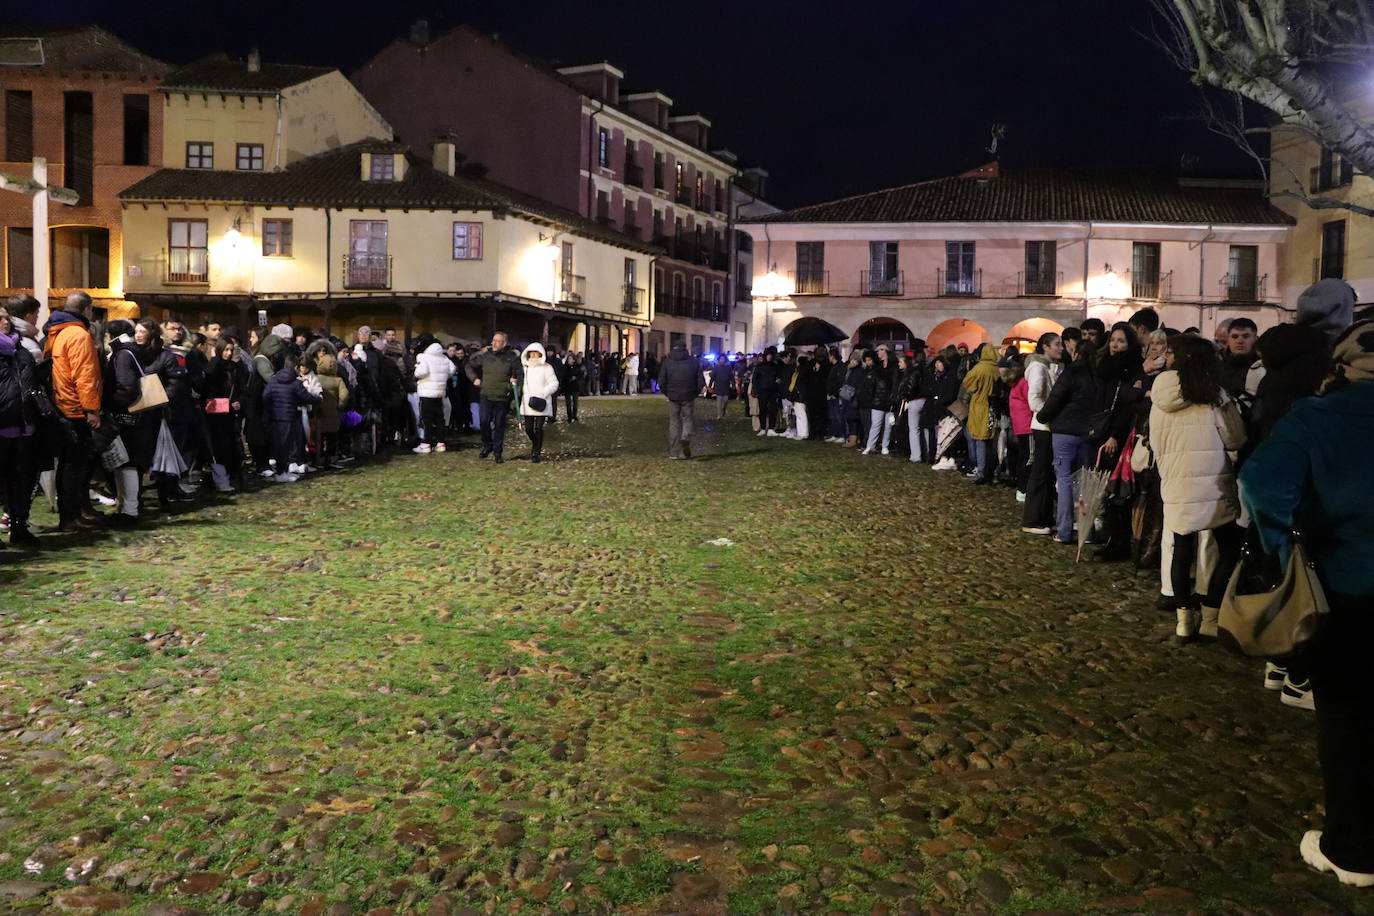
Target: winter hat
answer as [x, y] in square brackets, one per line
[1327, 305]
[284, 332]
[1354, 352]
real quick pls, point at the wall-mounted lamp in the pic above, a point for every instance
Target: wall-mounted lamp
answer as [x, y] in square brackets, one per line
[550, 248]
[233, 235]
[1107, 268]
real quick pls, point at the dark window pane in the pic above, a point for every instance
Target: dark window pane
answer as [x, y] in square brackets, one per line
[136, 127]
[18, 127]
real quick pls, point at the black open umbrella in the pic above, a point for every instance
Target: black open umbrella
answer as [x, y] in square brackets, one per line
[813, 332]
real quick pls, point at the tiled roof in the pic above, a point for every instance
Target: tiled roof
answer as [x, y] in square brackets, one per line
[1045, 195]
[334, 179]
[87, 47]
[220, 74]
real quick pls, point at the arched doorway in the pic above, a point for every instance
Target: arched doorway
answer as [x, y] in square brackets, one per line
[888, 331]
[957, 331]
[1025, 333]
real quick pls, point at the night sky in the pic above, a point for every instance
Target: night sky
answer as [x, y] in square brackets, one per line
[833, 99]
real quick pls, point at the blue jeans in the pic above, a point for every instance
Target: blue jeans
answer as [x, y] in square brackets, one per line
[1070, 454]
[978, 454]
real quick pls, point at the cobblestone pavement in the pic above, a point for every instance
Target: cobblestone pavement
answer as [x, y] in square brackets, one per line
[442, 686]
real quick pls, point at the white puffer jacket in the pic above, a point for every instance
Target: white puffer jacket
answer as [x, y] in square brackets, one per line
[1191, 442]
[1041, 375]
[540, 382]
[432, 369]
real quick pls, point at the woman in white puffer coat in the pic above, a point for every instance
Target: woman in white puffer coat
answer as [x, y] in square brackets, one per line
[1194, 427]
[432, 369]
[539, 387]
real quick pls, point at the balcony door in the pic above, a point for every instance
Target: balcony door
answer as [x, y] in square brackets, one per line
[882, 268]
[1145, 270]
[368, 261]
[810, 267]
[960, 272]
[1042, 274]
[1242, 275]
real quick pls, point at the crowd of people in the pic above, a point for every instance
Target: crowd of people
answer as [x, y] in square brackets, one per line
[1206, 443]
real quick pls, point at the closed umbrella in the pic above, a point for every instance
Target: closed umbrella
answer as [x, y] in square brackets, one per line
[813, 332]
[1091, 486]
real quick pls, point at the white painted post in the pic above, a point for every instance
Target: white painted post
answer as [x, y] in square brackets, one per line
[40, 237]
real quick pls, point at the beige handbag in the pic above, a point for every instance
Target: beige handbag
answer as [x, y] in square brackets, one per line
[1268, 610]
[151, 393]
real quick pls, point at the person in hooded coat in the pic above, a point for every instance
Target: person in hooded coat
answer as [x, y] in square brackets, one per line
[225, 380]
[766, 383]
[680, 379]
[18, 423]
[333, 399]
[432, 371]
[981, 426]
[1312, 473]
[537, 394]
[283, 398]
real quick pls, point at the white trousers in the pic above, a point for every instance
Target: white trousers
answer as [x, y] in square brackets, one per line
[880, 424]
[1206, 560]
[803, 421]
[913, 428]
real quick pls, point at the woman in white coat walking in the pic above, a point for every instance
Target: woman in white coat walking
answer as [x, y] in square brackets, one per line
[1194, 427]
[432, 369]
[536, 397]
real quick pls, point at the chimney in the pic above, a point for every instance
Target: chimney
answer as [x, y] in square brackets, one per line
[651, 107]
[445, 157]
[254, 60]
[419, 32]
[755, 181]
[600, 81]
[693, 128]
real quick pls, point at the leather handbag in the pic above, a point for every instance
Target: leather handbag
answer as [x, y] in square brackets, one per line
[217, 406]
[958, 410]
[1099, 428]
[1271, 609]
[151, 393]
[538, 404]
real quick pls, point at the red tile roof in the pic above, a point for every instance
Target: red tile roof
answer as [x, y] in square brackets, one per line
[1045, 195]
[334, 179]
[220, 74]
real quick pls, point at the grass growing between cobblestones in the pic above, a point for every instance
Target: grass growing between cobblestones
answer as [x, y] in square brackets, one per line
[442, 686]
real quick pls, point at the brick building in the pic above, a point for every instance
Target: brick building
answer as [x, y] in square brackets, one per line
[570, 136]
[88, 103]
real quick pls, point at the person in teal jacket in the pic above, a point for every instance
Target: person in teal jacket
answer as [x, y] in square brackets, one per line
[1315, 471]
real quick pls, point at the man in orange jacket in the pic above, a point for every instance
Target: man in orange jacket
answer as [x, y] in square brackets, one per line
[76, 389]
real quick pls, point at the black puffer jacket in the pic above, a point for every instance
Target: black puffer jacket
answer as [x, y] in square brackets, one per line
[876, 393]
[767, 379]
[285, 393]
[680, 377]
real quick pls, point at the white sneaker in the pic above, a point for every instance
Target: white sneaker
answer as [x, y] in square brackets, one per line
[422, 449]
[944, 464]
[1020, 496]
[285, 478]
[774, 433]
[1297, 695]
[297, 469]
[763, 432]
[1188, 623]
[887, 452]
[1311, 849]
[866, 451]
[267, 473]
[1274, 676]
[440, 447]
[1038, 530]
[102, 499]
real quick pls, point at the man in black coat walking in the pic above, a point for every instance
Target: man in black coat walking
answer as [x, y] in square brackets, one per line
[494, 372]
[680, 378]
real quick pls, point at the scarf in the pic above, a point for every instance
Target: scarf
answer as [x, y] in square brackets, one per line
[1354, 357]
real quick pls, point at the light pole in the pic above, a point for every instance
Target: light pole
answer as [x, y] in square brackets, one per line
[38, 188]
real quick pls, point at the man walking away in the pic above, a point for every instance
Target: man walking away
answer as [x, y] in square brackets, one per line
[680, 379]
[432, 369]
[76, 389]
[494, 373]
[723, 380]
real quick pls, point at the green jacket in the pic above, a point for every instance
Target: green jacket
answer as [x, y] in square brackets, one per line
[495, 370]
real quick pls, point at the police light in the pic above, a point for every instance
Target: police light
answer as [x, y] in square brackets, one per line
[710, 357]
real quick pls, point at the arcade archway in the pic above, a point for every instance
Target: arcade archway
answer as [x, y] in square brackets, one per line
[1025, 333]
[957, 331]
[896, 335]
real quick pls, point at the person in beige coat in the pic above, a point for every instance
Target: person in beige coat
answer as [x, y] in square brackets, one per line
[1194, 429]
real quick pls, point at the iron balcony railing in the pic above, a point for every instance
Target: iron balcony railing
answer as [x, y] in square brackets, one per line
[1040, 282]
[683, 196]
[633, 300]
[572, 289]
[676, 306]
[632, 230]
[720, 259]
[881, 283]
[191, 266]
[744, 292]
[367, 271]
[634, 174]
[960, 284]
[1243, 287]
[1159, 286]
[810, 282]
